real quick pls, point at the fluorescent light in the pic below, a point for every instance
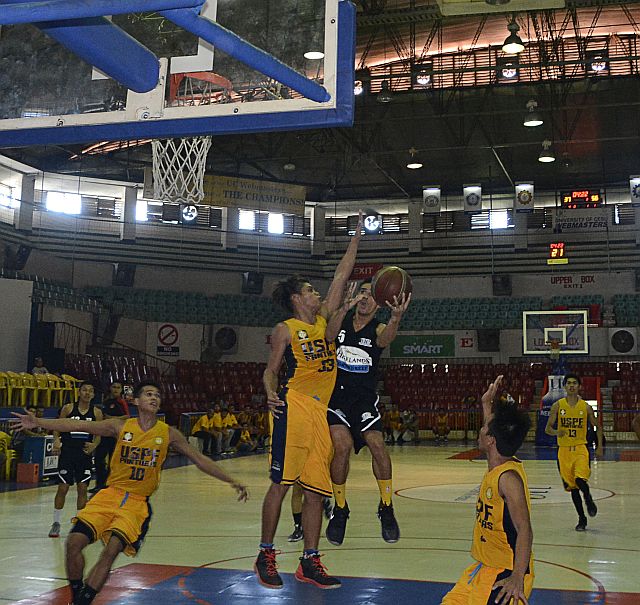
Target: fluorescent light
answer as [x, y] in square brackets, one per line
[247, 220]
[141, 211]
[314, 55]
[275, 223]
[66, 203]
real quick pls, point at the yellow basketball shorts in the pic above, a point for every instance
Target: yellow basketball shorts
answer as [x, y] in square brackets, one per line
[573, 463]
[475, 586]
[112, 511]
[301, 448]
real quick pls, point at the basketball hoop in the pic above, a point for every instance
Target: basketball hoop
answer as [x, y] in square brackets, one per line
[178, 169]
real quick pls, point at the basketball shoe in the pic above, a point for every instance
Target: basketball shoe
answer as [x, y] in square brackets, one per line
[266, 568]
[297, 534]
[312, 570]
[54, 532]
[337, 524]
[390, 529]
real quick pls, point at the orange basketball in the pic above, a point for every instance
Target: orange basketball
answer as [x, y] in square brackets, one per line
[390, 282]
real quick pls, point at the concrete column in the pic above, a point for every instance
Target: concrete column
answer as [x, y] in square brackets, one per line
[230, 228]
[23, 216]
[520, 239]
[318, 231]
[128, 225]
[415, 226]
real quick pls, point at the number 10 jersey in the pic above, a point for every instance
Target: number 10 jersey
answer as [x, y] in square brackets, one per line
[137, 460]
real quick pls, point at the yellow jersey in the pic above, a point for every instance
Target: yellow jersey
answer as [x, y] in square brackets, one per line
[228, 421]
[494, 535]
[137, 460]
[204, 423]
[573, 419]
[310, 359]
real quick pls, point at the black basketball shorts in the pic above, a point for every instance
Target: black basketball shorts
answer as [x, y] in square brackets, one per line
[74, 466]
[357, 411]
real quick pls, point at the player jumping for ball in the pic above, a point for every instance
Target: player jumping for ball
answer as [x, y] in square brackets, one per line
[353, 415]
[301, 447]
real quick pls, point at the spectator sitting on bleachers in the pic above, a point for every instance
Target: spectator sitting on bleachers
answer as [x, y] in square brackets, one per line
[441, 429]
[410, 425]
[205, 429]
[395, 420]
[246, 443]
[230, 430]
[261, 422]
[39, 367]
[387, 431]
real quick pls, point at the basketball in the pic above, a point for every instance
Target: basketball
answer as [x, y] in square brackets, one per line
[390, 282]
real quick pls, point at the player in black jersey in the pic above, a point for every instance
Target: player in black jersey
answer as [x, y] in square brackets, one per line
[75, 451]
[353, 414]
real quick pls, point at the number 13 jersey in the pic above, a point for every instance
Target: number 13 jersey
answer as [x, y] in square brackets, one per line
[137, 460]
[310, 359]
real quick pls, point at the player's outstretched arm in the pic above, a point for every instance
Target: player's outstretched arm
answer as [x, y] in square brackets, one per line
[387, 333]
[553, 416]
[488, 398]
[336, 318]
[105, 428]
[343, 271]
[511, 490]
[179, 443]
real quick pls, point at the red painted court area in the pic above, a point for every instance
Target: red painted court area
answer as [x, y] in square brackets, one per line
[139, 584]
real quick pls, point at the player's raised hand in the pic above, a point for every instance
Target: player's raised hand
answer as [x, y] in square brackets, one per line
[490, 394]
[360, 224]
[399, 306]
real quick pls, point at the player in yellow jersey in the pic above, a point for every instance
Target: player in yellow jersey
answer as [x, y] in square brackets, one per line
[119, 515]
[300, 441]
[572, 414]
[503, 569]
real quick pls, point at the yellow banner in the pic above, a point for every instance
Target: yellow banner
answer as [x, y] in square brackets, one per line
[251, 194]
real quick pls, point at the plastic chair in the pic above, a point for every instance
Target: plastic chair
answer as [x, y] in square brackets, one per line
[55, 388]
[71, 386]
[15, 382]
[6, 390]
[28, 386]
[42, 390]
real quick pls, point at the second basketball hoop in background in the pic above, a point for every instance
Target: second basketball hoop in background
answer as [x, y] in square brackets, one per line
[390, 282]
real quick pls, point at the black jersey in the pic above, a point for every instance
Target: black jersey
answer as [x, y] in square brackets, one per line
[358, 356]
[77, 439]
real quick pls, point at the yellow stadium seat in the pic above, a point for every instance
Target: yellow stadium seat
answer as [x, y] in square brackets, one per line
[15, 381]
[28, 387]
[6, 390]
[43, 393]
[72, 385]
[55, 389]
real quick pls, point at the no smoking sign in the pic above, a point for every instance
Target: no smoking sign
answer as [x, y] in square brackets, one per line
[168, 341]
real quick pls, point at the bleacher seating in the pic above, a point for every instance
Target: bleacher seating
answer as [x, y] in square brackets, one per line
[627, 309]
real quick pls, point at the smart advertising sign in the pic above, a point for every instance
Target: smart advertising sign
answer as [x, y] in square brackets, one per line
[423, 345]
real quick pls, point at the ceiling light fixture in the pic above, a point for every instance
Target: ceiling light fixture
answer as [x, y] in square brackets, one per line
[385, 95]
[414, 162]
[513, 43]
[546, 155]
[358, 88]
[532, 117]
[314, 55]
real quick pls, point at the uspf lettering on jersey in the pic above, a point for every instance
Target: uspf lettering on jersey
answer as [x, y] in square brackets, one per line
[483, 514]
[139, 456]
[317, 349]
[571, 423]
[353, 359]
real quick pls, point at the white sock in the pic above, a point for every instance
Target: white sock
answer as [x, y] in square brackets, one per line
[57, 513]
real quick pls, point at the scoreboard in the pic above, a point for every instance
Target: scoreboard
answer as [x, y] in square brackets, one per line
[556, 254]
[582, 198]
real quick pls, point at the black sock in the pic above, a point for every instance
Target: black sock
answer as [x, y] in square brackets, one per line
[86, 596]
[577, 502]
[584, 488]
[297, 518]
[76, 587]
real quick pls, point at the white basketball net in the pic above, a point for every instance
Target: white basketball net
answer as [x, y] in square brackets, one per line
[178, 169]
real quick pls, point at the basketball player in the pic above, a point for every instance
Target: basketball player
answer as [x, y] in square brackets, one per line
[300, 441]
[297, 494]
[572, 414]
[502, 535]
[353, 415]
[119, 515]
[75, 450]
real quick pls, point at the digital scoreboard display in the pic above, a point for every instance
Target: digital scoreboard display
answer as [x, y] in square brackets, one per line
[556, 254]
[581, 198]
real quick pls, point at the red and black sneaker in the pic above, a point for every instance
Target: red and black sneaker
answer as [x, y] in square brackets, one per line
[266, 569]
[311, 570]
